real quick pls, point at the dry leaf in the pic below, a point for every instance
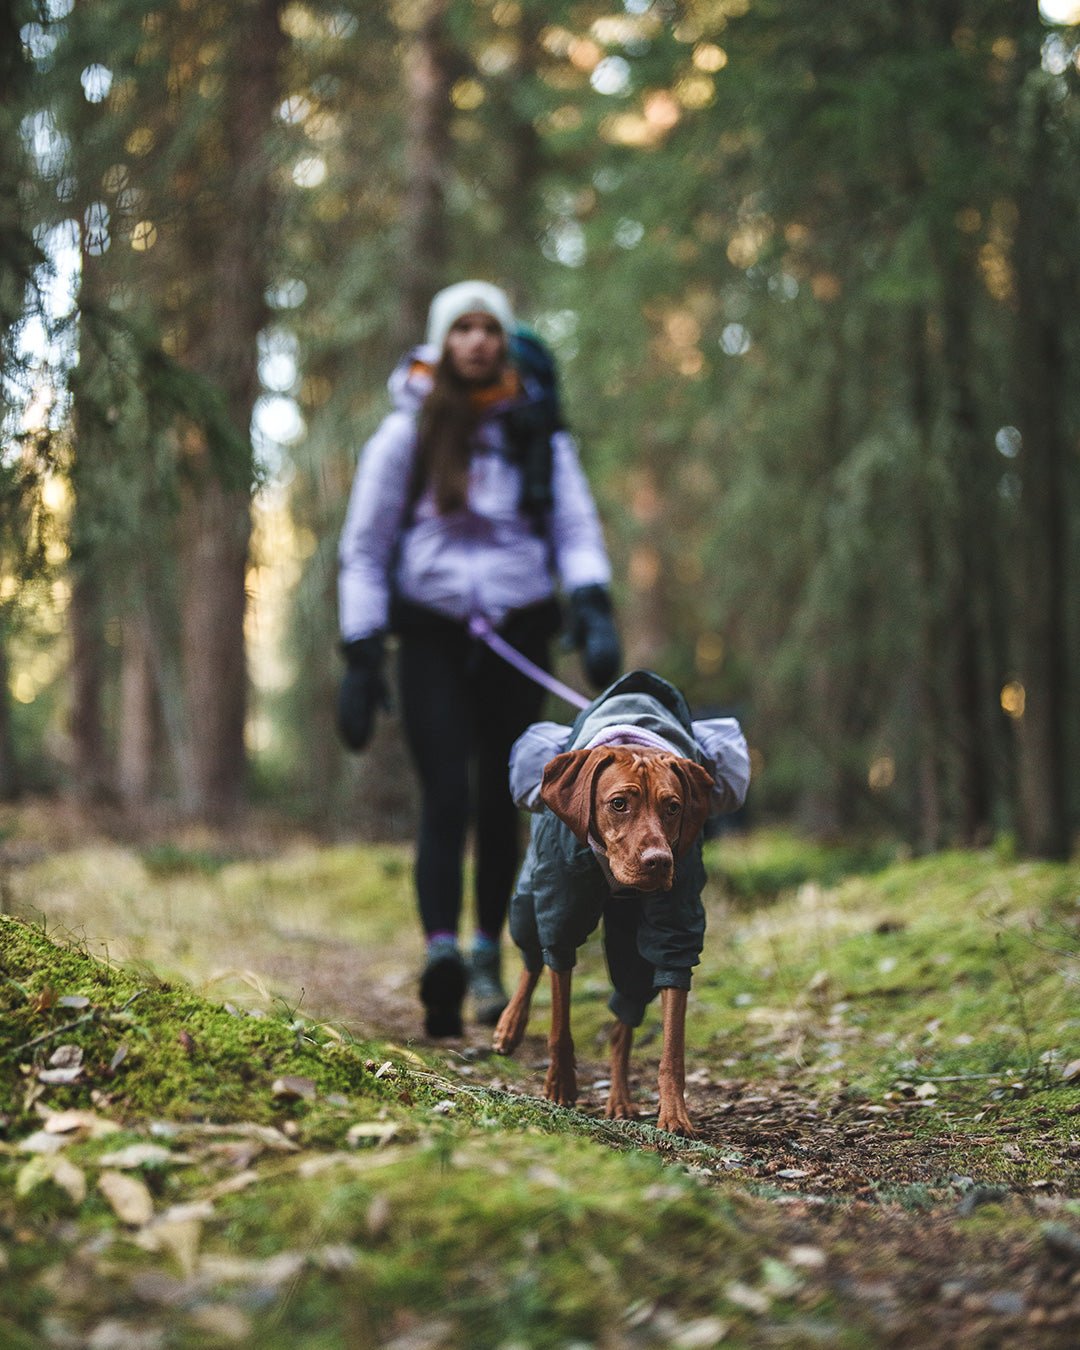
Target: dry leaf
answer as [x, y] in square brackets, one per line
[382, 1130]
[128, 1196]
[71, 1075]
[41, 1142]
[66, 1057]
[32, 1174]
[179, 1237]
[70, 1178]
[63, 1122]
[142, 1155]
[294, 1089]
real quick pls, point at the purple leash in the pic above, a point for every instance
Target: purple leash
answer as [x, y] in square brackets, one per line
[479, 627]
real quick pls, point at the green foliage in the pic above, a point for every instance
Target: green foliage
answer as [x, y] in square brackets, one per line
[793, 260]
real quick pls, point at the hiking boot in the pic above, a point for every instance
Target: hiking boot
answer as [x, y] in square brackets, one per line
[485, 983]
[442, 988]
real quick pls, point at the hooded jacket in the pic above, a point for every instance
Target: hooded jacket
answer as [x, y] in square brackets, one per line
[652, 939]
[486, 558]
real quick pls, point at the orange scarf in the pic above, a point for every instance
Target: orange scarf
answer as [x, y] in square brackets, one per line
[483, 398]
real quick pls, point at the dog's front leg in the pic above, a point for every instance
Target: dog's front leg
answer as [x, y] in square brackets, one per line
[619, 1105]
[672, 1076]
[515, 1016]
[561, 1082]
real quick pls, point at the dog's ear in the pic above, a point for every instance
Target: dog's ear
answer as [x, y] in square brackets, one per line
[567, 787]
[696, 784]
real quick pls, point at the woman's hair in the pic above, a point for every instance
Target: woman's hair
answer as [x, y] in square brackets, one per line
[444, 430]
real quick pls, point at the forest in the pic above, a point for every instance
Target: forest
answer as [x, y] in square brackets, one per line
[811, 275]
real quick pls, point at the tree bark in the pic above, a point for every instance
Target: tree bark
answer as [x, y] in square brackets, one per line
[428, 153]
[216, 518]
[1041, 365]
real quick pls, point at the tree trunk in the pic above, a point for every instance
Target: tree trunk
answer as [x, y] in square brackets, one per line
[216, 518]
[930, 730]
[90, 758]
[1041, 366]
[139, 744]
[973, 692]
[428, 153]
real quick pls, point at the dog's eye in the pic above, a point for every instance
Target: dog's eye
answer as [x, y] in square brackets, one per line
[618, 803]
[674, 806]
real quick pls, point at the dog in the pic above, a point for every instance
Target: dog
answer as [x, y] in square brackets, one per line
[617, 836]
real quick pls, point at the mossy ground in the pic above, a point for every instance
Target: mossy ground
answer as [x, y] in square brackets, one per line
[258, 1150]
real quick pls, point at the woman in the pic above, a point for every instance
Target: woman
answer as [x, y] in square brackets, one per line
[449, 518]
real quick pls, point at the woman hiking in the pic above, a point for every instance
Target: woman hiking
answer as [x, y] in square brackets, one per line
[468, 503]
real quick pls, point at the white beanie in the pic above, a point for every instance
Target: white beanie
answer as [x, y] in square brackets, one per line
[467, 297]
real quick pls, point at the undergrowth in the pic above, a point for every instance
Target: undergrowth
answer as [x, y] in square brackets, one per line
[205, 1170]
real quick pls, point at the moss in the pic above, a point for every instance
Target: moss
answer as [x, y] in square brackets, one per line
[158, 1050]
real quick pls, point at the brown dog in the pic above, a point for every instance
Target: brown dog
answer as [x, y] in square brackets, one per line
[641, 810]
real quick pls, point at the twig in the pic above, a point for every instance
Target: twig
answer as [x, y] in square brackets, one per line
[56, 1031]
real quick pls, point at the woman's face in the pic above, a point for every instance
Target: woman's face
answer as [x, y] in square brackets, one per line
[476, 346]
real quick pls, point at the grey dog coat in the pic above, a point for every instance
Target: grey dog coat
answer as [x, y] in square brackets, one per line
[652, 940]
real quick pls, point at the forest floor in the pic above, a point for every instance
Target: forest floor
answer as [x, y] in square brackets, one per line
[247, 1142]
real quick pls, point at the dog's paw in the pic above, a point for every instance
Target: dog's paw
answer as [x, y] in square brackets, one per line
[509, 1031]
[621, 1109]
[674, 1120]
[560, 1085]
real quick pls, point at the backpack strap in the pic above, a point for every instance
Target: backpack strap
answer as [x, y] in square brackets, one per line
[530, 426]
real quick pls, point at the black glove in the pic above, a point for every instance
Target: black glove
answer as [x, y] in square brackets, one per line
[592, 632]
[363, 689]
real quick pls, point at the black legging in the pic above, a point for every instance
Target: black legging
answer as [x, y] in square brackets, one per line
[462, 708]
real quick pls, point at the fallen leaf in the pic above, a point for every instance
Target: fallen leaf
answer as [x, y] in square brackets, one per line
[71, 1075]
[699, 1335]
[142, 1155]
[180, 1237]
[753, 1300]
[1071, 1070]
[128, 1196]
[32, 1174]
[779, 1279]
[69, 1178]
[73, 1001]
[382, 1130]
[294, 1089]
[806, 1256]
[223, 1322]
[926, 1090]
[66, 1057]
[64, 1122]
[41, 1142]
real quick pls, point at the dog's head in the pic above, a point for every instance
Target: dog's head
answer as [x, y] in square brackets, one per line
[644, 807]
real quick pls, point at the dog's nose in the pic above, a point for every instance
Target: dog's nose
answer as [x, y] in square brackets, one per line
[655, 859]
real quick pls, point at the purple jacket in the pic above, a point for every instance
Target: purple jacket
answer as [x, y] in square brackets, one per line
[483, 559]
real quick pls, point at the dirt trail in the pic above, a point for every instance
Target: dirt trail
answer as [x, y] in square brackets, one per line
[931, 1258]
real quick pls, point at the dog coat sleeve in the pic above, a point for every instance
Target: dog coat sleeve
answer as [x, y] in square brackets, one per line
[537, 745]
[723, 746]
[671, 932]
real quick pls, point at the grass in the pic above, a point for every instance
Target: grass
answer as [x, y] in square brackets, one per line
[309, 1187]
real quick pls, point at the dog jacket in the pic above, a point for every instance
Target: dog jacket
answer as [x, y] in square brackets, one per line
[652, 940]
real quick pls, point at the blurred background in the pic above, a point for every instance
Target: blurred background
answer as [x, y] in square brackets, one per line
[811, 274]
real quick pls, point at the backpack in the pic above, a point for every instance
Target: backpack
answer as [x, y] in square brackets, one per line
[530, 428]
